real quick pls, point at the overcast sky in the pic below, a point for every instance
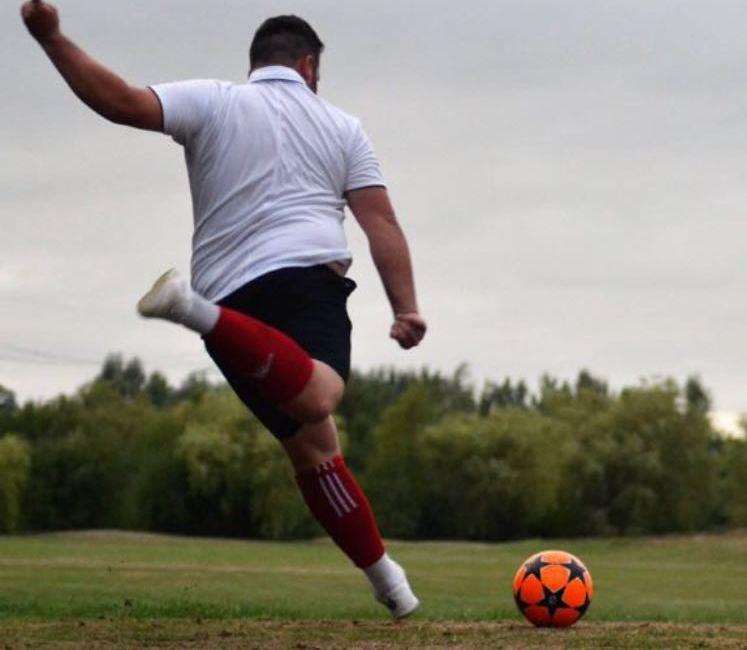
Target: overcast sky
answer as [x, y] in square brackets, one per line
[571, 175]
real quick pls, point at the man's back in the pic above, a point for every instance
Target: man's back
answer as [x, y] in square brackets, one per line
[269, 162]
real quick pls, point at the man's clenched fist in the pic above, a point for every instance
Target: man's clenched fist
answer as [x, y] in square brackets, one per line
[408, 330]
[41, 19]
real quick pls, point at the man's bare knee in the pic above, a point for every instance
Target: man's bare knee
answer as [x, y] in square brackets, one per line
[328, 401]
[320, 407]
[320, 397]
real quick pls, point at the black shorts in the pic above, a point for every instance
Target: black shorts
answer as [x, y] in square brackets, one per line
[309, 304]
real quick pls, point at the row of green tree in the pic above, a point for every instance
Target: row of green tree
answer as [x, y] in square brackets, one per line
[130, 451]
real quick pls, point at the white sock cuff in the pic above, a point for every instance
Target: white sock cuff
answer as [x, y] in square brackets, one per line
[202, 315]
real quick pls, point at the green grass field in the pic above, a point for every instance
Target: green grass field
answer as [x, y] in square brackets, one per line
[104, 589]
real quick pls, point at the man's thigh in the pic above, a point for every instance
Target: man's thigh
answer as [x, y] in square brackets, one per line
[308, 305]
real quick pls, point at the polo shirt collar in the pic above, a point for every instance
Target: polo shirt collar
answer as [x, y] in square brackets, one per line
[272, 72]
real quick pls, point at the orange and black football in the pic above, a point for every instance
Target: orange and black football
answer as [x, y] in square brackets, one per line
[553, 589]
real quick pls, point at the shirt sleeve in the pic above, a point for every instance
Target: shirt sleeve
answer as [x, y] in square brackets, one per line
[363, 168]
[188, 107]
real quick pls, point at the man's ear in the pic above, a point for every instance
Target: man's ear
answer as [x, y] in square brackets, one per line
[306, 67]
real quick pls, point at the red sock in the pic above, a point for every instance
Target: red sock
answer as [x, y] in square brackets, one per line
[258, 352]
[338, 503]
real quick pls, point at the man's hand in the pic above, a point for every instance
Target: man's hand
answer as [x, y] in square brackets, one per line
[408, 330]
[41, 20]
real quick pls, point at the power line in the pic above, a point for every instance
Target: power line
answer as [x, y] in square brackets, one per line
[10, 353]
[17, 353]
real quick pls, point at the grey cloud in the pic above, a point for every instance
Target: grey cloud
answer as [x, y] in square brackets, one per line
[570, 174]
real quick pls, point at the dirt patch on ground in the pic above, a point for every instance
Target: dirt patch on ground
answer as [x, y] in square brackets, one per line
[312, 635]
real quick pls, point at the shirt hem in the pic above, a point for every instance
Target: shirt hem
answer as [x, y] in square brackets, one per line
[249, 277]
[365, 184]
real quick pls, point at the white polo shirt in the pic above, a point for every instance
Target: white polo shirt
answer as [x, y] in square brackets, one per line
[268, 164]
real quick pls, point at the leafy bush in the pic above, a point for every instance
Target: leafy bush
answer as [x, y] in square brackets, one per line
[131, 451]
[491, 478]
[735, 479]
[14, 468]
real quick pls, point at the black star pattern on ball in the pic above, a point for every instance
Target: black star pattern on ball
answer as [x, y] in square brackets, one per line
[534, 567]
[577, 571]
[552, 600]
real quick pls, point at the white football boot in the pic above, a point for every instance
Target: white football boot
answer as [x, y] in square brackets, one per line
[169, 298]
[399, 599]
[172, 298]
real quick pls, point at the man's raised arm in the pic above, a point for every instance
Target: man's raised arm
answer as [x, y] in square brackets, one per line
[105, 92]
[373, 211]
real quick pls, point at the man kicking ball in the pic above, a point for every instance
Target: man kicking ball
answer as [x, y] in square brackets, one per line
[271, 167]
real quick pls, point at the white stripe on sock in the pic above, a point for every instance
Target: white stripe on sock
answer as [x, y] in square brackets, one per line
[329, 497]
[344, 491]
[341, 501]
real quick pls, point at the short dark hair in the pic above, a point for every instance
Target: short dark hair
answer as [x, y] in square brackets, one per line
[283, 40]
